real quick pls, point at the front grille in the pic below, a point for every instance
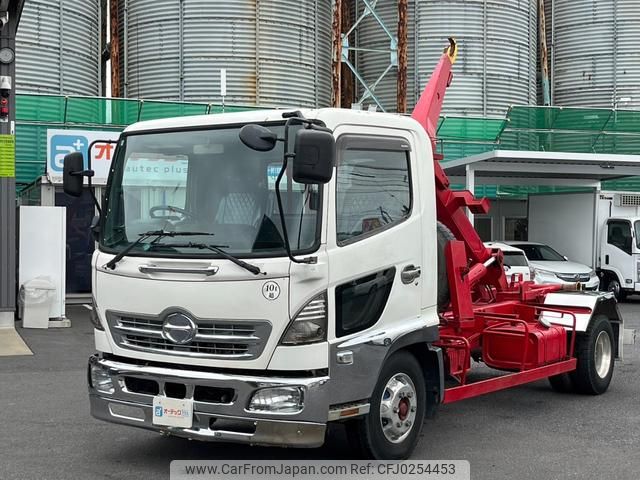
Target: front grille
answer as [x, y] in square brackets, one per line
[573, 277]
[222, 339]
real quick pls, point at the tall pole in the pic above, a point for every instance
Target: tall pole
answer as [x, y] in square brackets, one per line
[337, 54]
[347, 87]
[544, 61]
[10, 11]
[402, 56]
[116, 90]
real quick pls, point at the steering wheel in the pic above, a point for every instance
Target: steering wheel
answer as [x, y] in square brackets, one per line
[153, 212]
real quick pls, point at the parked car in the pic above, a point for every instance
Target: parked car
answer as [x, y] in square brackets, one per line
[515, 261]
[552, 267]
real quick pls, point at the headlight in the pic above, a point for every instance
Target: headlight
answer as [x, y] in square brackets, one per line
[101, 380]
[540, 271]
[592, 274]
[277, 400]
[93, 315]
[310, 323]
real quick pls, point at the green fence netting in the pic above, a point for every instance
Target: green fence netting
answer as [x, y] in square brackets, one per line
[35, 114]
[550, 129]
[553, 129]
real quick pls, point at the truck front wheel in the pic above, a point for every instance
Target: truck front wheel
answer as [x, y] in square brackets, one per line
[595, 354]
[390, 431]
[613, 286]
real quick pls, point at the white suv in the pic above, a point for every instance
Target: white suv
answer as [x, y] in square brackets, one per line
[515, 262]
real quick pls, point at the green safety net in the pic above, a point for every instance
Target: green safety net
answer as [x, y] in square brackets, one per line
[35, 114]
[553, 129]
[550, 129]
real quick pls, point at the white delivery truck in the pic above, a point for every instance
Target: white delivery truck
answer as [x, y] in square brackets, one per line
[599, 228]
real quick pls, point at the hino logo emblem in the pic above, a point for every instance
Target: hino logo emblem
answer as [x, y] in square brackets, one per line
[179, 329]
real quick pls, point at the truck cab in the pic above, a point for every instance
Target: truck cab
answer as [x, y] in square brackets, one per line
[620, 255]
[208, 315]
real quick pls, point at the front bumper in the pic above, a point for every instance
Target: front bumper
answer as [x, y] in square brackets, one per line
[546, 279]
[214, 420]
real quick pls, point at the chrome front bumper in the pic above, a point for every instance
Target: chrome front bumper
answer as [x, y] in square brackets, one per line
[223, 422]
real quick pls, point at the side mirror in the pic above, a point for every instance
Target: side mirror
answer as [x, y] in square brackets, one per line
[258, 138]
[315, 152]
[73, 174]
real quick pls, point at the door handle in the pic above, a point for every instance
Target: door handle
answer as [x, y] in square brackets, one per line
[207, 271]
[410, 273]
[606, 259]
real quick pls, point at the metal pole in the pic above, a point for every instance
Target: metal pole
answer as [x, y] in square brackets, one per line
[544, 61]
[8, 172]
[116, 90]
[336, 96]
[125, 51]
[347, 85]
[402, 55]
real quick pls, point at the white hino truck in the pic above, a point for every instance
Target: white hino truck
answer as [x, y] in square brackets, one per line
[607, 224]
[262, 275]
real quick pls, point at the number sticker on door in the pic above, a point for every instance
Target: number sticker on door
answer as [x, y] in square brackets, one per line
[271, 290]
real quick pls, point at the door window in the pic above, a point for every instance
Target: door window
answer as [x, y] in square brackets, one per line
[373, 191]
[619, 235]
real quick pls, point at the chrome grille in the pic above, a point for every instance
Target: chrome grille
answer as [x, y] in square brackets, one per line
[574, 277]
[223, 339]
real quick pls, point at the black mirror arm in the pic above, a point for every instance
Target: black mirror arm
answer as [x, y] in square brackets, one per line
[285, 235]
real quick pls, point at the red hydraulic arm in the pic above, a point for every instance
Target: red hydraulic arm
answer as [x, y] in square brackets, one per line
[485, 267]
[489, 318]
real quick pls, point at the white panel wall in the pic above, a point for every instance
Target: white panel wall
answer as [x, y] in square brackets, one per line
[43, 243]
[566, 223]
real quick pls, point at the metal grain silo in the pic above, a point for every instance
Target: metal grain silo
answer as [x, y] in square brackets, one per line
[496, 67]
[275, 52]
[58, 47]
[595, 59]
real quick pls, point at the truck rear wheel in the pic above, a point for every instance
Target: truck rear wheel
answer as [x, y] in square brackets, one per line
[390, 431]
[444, 236]
[595, 354]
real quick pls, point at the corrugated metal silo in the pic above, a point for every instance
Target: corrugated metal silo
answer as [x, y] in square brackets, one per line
[496, 67]
[57, 47]
[596, 53]
[276, 53]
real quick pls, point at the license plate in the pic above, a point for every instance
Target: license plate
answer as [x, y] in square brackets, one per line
[172, 412]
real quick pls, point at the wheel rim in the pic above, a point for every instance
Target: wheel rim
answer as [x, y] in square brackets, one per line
[603, 355]
[398, 408]
[614, 287]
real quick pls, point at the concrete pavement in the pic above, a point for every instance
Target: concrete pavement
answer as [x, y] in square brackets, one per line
[525, 433]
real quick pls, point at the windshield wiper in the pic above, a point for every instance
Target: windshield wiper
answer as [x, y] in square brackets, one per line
[144, 236]
[217, 249]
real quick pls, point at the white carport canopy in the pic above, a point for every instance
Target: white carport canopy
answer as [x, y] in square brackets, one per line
[513, 167]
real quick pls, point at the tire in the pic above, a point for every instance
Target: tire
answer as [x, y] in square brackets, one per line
[595, 352]
[444, 236]
[613, 285]
[400, 377]
[561, 383]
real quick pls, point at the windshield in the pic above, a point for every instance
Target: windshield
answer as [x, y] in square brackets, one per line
[541, 253]
[206, 181]
[515, 259]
